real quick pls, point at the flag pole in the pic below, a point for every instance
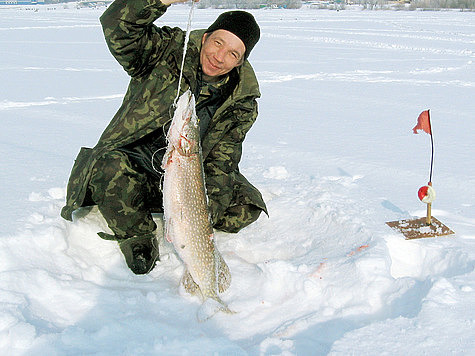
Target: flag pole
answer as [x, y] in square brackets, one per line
[429, 205]
[432, 149]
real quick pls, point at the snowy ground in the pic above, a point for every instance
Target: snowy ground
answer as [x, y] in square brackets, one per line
[333, 153]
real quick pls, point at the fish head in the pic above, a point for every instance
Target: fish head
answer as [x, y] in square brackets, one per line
[184, 132]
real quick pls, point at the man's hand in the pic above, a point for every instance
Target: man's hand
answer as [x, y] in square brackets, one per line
[169, 2]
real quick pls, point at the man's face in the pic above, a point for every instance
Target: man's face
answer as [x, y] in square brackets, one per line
[221, 51]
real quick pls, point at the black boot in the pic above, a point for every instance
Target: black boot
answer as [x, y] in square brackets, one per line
[140, 252]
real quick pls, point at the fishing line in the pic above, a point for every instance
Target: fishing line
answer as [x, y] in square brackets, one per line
[187, 37]
[174, 105]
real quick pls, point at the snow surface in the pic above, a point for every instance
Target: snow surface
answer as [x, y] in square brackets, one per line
[333, 153]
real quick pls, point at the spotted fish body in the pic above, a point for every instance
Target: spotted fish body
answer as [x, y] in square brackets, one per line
[186, 215]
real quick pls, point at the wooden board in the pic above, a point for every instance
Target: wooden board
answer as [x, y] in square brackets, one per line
[417, 228]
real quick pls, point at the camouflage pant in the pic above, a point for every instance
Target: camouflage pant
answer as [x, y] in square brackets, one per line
[126, 196]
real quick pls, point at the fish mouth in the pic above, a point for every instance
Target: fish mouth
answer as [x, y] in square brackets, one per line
[183, 134]
[186, 144]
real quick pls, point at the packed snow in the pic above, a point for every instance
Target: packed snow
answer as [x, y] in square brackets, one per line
[333, 153]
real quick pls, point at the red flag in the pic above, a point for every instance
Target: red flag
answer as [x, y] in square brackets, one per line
[423, 123]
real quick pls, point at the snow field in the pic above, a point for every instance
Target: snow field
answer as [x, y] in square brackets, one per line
[333, 154]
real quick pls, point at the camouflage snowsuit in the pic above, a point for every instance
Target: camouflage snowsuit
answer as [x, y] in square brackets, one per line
[152, 56]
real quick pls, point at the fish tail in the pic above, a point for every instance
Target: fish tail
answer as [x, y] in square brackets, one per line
[211, 307]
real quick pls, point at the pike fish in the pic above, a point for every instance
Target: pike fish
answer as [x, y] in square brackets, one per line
[186, 215]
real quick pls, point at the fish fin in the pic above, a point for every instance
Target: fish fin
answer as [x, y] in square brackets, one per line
[224, 275]
[210, 308]
[189, 284]
[168, 230]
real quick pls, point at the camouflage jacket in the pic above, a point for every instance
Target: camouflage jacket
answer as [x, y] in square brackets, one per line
[152, 56]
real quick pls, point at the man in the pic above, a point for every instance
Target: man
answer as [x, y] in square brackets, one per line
[121, 174]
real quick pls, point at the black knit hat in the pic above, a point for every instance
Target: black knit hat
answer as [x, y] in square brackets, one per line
[242, 24]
